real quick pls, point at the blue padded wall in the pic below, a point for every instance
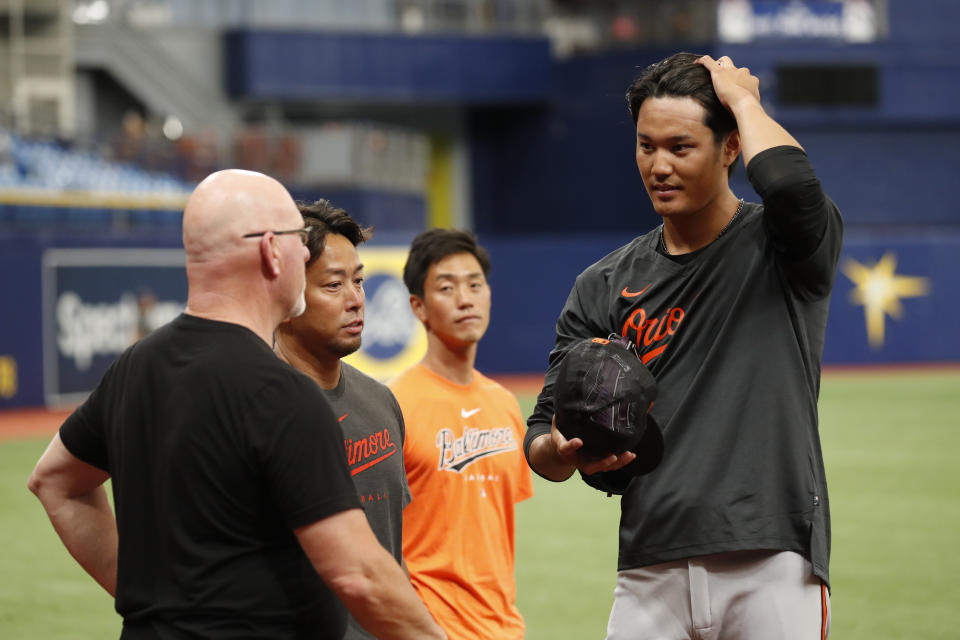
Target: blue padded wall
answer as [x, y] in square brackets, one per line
[293, 65]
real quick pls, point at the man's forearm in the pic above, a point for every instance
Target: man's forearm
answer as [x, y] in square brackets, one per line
[88, 529]
[366, 578]
[384, 603]
[75, 500]
[758, 131]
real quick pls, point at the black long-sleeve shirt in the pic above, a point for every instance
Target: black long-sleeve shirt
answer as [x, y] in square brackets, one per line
[734, 334]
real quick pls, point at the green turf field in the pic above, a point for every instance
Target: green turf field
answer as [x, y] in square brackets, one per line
[892, 448]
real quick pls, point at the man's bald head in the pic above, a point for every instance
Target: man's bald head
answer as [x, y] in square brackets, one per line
[254, 281]
[229, 204]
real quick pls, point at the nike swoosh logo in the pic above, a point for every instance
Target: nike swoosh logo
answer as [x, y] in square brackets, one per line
[340, 419]
[633, 294]
[466, 414]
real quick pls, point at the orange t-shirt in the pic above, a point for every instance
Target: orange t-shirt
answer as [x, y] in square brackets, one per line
[465, 467]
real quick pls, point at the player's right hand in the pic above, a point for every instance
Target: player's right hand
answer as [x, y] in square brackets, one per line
[569, 452]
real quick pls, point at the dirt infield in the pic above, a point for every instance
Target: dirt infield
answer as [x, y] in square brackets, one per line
[21, 424]
[36, 423]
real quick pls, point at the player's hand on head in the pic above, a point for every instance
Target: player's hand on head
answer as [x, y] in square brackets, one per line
[732, 84]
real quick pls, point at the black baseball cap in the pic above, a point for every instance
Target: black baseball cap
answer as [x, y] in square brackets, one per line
[603, 395]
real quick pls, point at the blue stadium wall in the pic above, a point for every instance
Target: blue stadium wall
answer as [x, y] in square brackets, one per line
[566, 165]
[531, 279]
[555, 187]
[54, 353]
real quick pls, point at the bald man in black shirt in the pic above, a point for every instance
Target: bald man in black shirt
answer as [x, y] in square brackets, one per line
[236, 515]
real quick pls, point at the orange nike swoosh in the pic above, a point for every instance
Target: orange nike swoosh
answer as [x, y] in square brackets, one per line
[633, 294]
[340, 419]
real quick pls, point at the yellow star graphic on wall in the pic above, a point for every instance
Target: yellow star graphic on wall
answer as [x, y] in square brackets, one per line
[879, 289]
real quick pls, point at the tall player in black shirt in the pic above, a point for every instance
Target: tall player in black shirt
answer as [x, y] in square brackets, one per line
[727, 303]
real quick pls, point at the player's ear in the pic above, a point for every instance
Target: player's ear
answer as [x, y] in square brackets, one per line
[417, 306]
[270, 258]
[731, 148]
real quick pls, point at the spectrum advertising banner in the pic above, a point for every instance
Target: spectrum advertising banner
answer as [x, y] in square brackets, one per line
[96, 303]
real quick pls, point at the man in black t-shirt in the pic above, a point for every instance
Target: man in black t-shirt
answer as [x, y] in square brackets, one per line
[726, 302]
[236, 516]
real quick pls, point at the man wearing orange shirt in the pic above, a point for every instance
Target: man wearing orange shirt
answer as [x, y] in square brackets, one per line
[463, 453]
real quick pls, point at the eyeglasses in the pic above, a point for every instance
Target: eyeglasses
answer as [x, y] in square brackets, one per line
[304, 234]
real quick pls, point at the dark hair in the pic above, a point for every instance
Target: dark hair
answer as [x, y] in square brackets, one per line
[680, 76]
[323, 218]
[432, 246]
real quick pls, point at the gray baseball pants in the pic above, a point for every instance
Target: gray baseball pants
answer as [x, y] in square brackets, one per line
[742, 595]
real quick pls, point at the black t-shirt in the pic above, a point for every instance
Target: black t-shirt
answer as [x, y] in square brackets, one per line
[216, 450]
[734, 335]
